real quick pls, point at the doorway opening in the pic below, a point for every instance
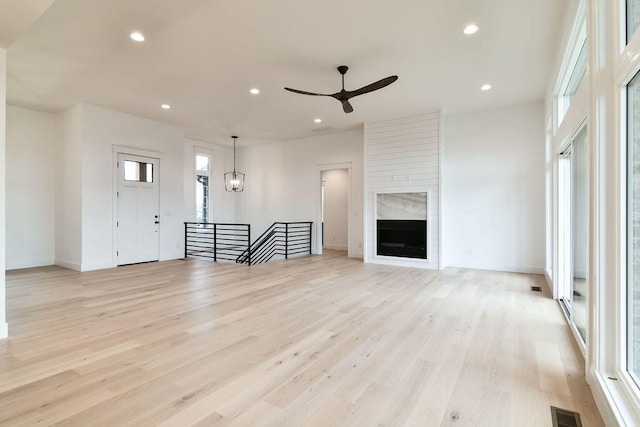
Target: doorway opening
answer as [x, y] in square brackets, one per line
[335, 217]
[333, 223]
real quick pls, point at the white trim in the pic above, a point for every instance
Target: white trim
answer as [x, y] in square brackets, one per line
[68, 264]
[337, 247]
[619, 26]
[596, 353]
[619, 318]
[628, 64]
[577, 37]
[137, 151]
[617, 402]
[549, 158]
[96, 266]
[403, 262]
[365, 197]
[30, 263]
[612, 401]
[382, 259]
[549, 279]
[4, 330]
[565, 247]
[570, 55]
[555, 198]
[440, 204]
[511, 268]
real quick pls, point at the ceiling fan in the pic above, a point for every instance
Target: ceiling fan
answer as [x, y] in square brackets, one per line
[345, 95]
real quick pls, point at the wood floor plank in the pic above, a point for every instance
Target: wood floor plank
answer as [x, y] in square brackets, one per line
[312, 341]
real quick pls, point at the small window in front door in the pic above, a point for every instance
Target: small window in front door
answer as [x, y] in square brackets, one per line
[138, 171]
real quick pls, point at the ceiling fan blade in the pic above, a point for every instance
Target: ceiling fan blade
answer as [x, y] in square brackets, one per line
[346, 106]
[304, 92]
[373, 86]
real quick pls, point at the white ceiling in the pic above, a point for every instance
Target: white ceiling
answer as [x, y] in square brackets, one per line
[17, 16]
[203, 56]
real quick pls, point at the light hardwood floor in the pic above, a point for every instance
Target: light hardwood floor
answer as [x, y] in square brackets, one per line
[315, 341]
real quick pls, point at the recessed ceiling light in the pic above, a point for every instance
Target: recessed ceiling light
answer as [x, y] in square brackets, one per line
[318, 120]
[137, 36]
[165, 106]
[255, 91]
[470, 29]
[485, 87]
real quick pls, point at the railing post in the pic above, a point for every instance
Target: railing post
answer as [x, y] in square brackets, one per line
[249, 243]
[310, 245]
[185, 240]
[215, 242]
[286, 240]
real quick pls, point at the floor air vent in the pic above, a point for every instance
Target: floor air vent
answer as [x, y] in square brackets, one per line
[536, 289]
[564, 418]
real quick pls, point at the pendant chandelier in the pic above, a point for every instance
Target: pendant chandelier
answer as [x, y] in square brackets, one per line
[234, 180]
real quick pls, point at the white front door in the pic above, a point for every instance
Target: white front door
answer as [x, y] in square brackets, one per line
[138, 209]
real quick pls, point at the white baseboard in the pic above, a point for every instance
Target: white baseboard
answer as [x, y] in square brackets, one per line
[24, 263]
[403, 262]
[529, 269]
[547, 276]
[68, 264]
[174, 255]
[335, 247]
[4, 330]
[97, 266]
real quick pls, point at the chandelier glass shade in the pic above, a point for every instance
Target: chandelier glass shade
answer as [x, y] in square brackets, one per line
[234, 180]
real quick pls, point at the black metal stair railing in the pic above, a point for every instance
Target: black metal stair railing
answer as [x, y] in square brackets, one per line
[231, 242]
[216, 241]
[281, 239]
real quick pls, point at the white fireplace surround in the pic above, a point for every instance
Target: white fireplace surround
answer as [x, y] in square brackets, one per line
[402, 156]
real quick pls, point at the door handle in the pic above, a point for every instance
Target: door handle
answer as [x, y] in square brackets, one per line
[157, 222]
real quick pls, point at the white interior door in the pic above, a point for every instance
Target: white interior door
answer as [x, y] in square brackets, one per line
[138, 209]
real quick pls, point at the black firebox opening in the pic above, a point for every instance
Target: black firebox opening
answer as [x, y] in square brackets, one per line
[402, 238]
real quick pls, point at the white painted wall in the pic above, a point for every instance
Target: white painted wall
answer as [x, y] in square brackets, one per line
[336, 216]
[68, 197]
[222, 202]
[493, 189]
[102, 130]
[4, 329]
[403, 156]
[31, 146]
[283, 182]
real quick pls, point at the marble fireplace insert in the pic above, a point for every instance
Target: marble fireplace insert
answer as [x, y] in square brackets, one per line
[401, 225]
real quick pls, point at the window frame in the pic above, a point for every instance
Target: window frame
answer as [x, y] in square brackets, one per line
[569, 86]
[626, 66]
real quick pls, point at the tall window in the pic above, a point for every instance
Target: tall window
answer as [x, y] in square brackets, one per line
[203, 197]
[633, 228]
[633, 206]
[580, 232]
[578, 67]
